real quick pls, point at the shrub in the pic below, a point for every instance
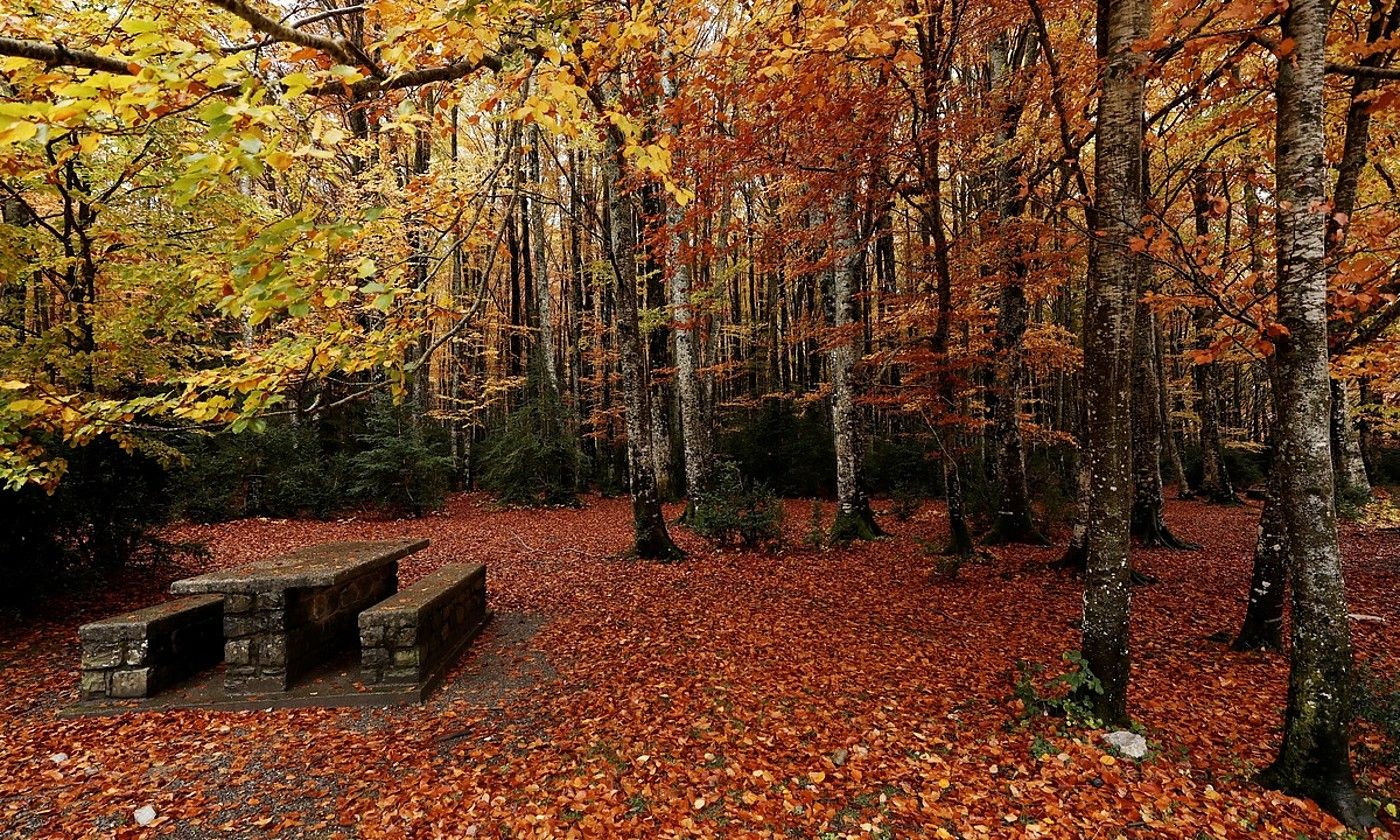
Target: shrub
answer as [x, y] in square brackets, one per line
[785, 447]
[401, 469]
[738, 512]
[283, 471]
[101, 516]
[532, 458]
[1060, 696]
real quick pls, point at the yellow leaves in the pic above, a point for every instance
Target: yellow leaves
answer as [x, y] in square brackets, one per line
[1107, 760]
[816, 777]
[279, 160]
[296, 84]
[32, 408]
[17, 131]
[139, 26]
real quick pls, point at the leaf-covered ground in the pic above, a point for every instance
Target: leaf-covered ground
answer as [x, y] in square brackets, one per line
[812, 694]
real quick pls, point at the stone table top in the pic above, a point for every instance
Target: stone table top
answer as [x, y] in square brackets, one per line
[326, 564]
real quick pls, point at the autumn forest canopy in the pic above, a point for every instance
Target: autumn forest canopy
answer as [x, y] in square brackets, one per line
[1027, 288]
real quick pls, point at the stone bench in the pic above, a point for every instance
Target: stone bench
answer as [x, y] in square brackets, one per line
[412, 637]
[138, 653]
[286, 615]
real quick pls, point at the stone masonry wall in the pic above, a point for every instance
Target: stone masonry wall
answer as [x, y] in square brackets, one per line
[136, 654]
[273, 637]
[407, 638]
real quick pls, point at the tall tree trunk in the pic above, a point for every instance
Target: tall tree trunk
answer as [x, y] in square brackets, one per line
[695, 432]
[1013, 521]
[1215, 479]
[1148, 523]
[1353, 485]
[1164, 420]
[1108, 355]
[543, 297]
[651, 539]
[854, 519]
[1314, 759]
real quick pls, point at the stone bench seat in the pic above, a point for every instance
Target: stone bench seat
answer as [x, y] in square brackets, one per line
[412, 637]
[138, 653]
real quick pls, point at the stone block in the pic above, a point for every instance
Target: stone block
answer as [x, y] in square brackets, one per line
[271, 600]
[131, 682]
[372, 635]
[102, 654]
[376, 657]
[93, 684]
[235, 603]
[406, 636]
[136, 652]
[272, 651]
[406, 658]
[238, 652]
[241, 625]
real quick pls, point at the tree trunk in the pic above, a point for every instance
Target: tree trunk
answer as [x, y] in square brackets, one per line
[854, 519]
[651, 539]
[1148, 503]
[1108, 356]
[1262, 628]
[544, 301]
[1314, 759]
[695, 432]
[1215, 479]
[1353, 485]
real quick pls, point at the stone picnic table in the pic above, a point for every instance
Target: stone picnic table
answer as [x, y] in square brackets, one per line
[284, 615]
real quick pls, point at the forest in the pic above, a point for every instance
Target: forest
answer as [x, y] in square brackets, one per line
[889, 418]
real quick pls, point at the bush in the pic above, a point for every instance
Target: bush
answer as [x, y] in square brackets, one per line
[783, 447]
[1065, 695]
[282, 472]
[736, 512]
[401, 469]
[1246, 467]
[101, 516]
[903, 467]
[533, 458]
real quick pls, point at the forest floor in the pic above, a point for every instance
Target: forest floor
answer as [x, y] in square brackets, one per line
[810, 693]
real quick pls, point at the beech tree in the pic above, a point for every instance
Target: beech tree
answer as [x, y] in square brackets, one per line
[1314, 759]
[1108, 353]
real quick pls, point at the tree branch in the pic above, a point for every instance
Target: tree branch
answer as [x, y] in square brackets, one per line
[57, 55]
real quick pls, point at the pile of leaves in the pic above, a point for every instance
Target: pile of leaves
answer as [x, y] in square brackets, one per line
[817, 693]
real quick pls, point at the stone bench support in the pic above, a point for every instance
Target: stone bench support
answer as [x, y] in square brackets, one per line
[138, 653]
[282, 616]
[414, 635]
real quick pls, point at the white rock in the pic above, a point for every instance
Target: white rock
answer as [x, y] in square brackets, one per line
[58, 758]
[1129, 744]
[145, 815]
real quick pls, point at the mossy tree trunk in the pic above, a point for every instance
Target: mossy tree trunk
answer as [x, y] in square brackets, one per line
[651, 539]
[854, 519]
[1314, 759]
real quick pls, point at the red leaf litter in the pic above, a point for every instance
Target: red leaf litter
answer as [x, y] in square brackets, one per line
[811, 693]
